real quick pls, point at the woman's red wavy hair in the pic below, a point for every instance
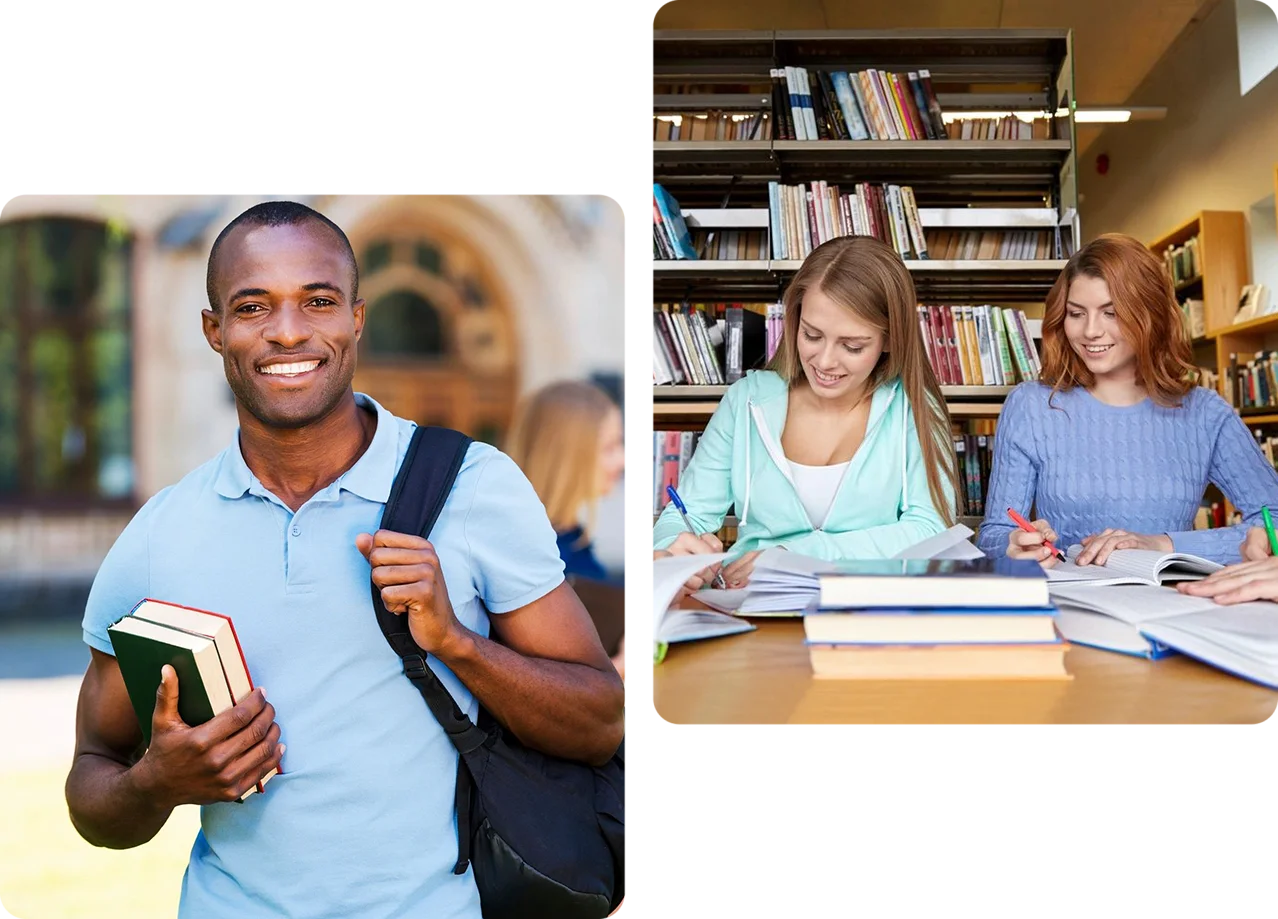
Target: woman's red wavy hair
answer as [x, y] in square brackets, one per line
[1145, 305]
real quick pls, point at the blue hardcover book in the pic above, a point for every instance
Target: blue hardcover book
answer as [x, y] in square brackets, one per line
[847, 102]
[922, 583]
[672, 217]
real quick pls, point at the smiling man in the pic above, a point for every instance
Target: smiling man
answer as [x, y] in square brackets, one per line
[280, 532]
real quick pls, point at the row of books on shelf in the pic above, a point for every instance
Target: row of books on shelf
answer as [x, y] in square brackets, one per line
[1183, 262]
[1008, 127]
[948, 245]
[730, 245]
[712, 125]
[975, 454]
[715, 125]
[978, 345]
[671, 453]
[801, 217]
[712, 344]
[857, 105]
[1253, 385]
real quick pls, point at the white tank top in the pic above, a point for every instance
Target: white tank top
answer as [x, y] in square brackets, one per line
[817, 486]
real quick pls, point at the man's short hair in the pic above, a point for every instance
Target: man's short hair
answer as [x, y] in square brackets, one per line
[278, 214]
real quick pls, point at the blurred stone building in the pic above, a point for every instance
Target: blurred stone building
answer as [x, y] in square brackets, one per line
[109, 392]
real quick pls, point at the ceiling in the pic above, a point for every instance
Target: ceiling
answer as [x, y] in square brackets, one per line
[1116, 42]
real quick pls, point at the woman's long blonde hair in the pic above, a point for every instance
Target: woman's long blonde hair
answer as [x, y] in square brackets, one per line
[867, 277]
[555, 441]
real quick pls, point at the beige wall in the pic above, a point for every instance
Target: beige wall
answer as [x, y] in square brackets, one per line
[1216, 150]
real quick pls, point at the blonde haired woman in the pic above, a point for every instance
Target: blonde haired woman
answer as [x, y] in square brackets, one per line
[566, 437]
[841, 449]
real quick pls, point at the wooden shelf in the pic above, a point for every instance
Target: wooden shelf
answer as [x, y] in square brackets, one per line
[1222, 237]
[1260, 419]
[975, 409]
[1261, 325]
[676, 395]
[686, 391]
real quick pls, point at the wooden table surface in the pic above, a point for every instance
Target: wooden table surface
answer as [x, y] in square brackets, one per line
[764, 677]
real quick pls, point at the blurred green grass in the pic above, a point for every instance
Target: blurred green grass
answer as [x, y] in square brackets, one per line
[48, 872]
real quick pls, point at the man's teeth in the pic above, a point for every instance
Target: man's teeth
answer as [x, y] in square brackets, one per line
[302, 367]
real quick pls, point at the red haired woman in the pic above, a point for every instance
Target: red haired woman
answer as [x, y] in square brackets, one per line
[1115, 445]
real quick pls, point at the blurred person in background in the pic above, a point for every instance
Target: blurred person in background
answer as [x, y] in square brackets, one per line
[567, 439]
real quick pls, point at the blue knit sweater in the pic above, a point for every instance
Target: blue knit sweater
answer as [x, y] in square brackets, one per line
[1085, 466]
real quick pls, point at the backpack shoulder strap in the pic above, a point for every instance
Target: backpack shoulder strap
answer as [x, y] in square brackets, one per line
[419, 493]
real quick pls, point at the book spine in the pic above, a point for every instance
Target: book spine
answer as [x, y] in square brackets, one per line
[805, 90]
[847, 102]
[933, 106]
[920, 106]
[796, 104]
[733, 326]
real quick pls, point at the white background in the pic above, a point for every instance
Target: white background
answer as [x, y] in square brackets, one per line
[379, 97]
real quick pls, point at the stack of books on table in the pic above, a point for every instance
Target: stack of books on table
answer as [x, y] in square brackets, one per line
[937, 619]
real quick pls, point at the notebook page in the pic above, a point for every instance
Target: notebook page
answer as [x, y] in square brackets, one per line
[1091, 575]
[669, 574]
[1132, 603]
[1137, 563]
[691, 625]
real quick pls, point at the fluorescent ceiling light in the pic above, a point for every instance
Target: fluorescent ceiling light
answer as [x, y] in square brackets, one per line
[1102, 116]
[1090, 114]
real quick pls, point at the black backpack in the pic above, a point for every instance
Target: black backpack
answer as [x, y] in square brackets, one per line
[544, 835]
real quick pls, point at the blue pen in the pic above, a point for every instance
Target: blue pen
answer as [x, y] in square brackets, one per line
[683, 512]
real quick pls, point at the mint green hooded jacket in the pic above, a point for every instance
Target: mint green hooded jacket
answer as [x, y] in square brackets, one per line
[882, 504]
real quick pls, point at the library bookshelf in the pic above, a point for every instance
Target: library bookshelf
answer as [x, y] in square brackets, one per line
[1001, 185]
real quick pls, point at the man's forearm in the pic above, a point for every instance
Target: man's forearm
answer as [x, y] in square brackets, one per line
[109, 806]
[565, 709]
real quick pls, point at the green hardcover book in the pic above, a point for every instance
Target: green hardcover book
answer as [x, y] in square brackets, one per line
[142, 648]
[1001, 333]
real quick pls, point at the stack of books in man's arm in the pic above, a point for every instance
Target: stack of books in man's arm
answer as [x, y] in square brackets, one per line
[940, 619]
[200, 646]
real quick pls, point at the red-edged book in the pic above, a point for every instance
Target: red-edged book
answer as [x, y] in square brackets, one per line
[215, 627]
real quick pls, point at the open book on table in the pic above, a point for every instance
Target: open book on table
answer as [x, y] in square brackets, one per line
[1156, 621]
[1131, 566]
[672, 625]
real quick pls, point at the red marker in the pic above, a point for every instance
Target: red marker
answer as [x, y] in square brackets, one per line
[1028, 528]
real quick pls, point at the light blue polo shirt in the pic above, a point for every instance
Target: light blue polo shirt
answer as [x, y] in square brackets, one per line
[361, 822]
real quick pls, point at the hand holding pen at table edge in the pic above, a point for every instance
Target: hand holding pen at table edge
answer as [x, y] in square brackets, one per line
[693, 543]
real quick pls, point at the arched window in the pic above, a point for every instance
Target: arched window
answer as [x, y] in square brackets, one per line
[403, 323]
[66, 373]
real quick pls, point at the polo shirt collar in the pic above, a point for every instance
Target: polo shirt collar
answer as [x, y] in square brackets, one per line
[370, 478]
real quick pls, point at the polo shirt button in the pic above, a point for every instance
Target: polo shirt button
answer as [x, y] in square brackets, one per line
[297, 531]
